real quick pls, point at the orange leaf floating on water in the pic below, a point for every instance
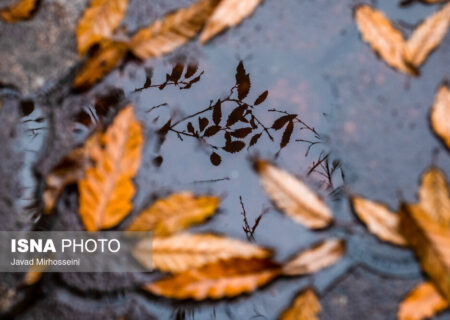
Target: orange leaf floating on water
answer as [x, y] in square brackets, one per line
[228, 13]
[440, 114]
[105, 58]
[174, 30]
[225, 278]
[434, 196]
[316, 258]
[174, 213]
[21, 10]
[99, 21]
[182, 252]
[427, 37]
[430, 242]
[379, 220]
[306, 306]
[293, 197]
[423, 302]
[107, 188]
[379, 33]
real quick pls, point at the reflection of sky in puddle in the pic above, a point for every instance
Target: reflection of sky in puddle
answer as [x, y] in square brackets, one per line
[310, 58]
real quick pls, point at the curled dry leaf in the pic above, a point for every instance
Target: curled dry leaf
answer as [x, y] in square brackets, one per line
[69, 170]
[99, 21]
[293, 196]
[21, 10]
[379, 219]
[164, 36]
[434, 196]
[175, 213]
[228, 13]
[427, 37]
[423, 302]
[316, 258]
[105, 58]
[107, 188]
[179, 253]
[379, 33]
[440, 114]
[306, 306]
[225, 278]
[430, 242]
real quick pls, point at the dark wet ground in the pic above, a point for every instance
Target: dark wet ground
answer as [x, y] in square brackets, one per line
[309, 56]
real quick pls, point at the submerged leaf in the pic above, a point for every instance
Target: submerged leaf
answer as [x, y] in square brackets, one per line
[107, 189]
[164, 36]
[423, 302]
[182, 252]
[434, 196]
[21, 10]
[379, 33]
[228, 13]
[225, 278]
[306, 306]
[105, 58]
[293, 197]
[316, 258]
[440, 114]
[99, 21]
[174, 213]
[379, 219]
[427, 37]
[430, 242]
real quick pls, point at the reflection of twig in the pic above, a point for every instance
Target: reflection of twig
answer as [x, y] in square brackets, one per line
[211, 180]
[156, 107]
[323, 168]
[250, 231]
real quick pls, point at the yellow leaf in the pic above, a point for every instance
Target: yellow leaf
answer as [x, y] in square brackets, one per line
[426, 37]
[107, 189]
[225, 278]
[379, 33]
[182, 252]
[164, 36]
[434, 196]
[305, 307]
[174, 213]
[22, 10]
[105, 58]
[228, 13]
[379, 219]
[424, 301]
[293, 197]
[99, 21]
[430, 242]
[316, 258]
[34, 274]
[440, 114]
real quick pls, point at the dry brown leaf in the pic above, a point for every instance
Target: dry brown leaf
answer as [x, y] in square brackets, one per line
[99, 21]
[316, 258]
[22, 10]
[164, 36]
[440, 114]
[431, 243]
[228, 13]
[434, 196]
[305, 307]
[379, 33]
[105, 58]
[225, 278]
[69, 170]
[424, 301]
[426, 37]
[293, 196]
[379, 220]
[182, 252]
[107, 189]
[174, 213]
